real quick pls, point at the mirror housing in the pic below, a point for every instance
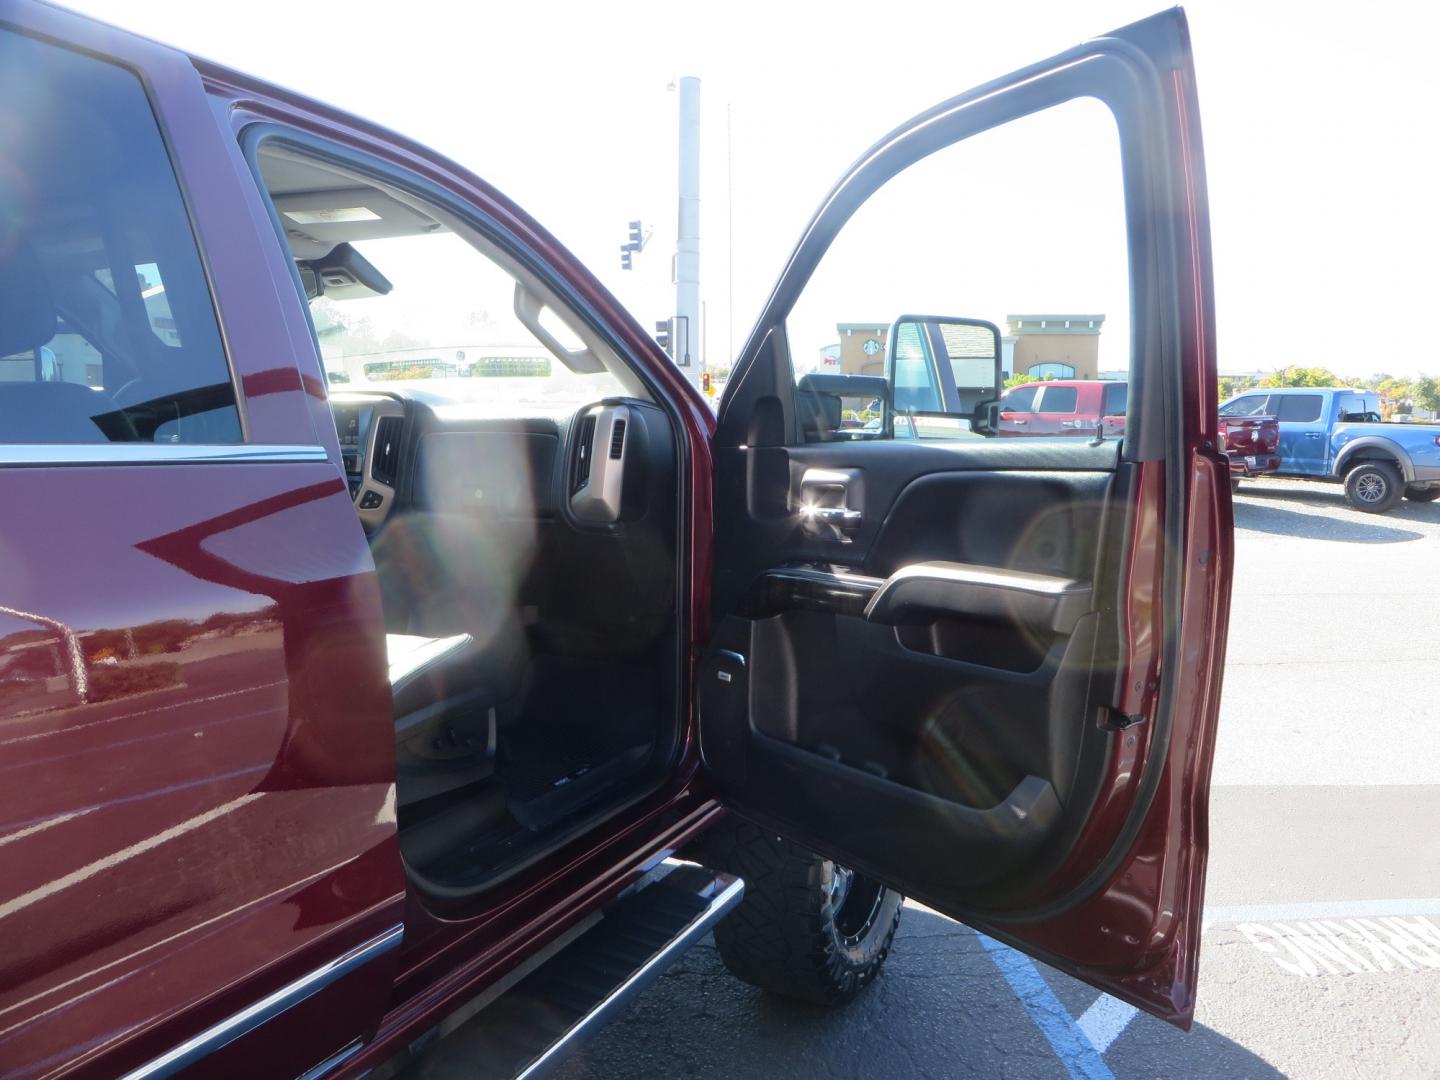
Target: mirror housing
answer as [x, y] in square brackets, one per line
[945, 365]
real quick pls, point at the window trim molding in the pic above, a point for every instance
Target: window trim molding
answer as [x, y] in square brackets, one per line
[40, 455]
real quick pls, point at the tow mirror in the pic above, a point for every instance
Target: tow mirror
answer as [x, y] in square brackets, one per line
[944, 375]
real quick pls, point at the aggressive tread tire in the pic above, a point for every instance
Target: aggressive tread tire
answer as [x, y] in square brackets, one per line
[784, 936]
[1373, 487]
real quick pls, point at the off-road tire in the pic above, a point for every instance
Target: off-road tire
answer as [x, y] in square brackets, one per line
[785, 936]
[1373, 487]
[1419, 494]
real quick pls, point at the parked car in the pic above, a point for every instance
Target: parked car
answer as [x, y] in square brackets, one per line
[426, 719]
[1335, 434]
[1251, 443]
[1064, 407]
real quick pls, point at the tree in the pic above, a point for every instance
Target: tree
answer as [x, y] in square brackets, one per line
[1426, 393]
[1302, 376]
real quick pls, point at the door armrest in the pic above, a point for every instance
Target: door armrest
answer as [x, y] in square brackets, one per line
[923, 592]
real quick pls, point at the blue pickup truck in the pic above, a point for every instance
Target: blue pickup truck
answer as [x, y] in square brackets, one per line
[1335, 434]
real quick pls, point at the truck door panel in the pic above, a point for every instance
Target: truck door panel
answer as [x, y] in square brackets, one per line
[197, 808]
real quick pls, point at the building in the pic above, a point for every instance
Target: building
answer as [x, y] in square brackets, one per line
[1056, 346]
[862, 348]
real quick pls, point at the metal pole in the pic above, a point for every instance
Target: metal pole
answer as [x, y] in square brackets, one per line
[687, 237]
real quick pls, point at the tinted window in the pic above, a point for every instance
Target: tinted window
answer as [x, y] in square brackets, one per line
[1249, 405]
[1298, 408]
[1058, 399]
[107, 332]
[1116, 399]
[1021, 399]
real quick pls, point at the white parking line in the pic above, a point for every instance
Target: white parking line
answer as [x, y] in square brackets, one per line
[1103, 1022]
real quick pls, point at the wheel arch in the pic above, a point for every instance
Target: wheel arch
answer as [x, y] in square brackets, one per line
[1374, 448]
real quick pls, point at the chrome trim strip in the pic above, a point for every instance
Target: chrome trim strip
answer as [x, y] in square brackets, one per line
[619, 998]
[41, 454]
[248, 1019]
[731, 655]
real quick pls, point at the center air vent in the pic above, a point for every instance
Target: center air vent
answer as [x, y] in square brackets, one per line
[385, 464]
[598, 464]
[584, 451]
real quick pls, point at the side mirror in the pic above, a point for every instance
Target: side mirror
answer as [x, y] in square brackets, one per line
[831, 406]
[945, 366]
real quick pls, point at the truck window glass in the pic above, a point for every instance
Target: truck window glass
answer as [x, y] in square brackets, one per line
[107, 330]
[1249, 405]
[981, 230]
[1058, 399]
[1298, 408]
[1117, 399]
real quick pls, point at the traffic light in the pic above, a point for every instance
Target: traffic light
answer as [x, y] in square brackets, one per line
[705, 382]
[662, 333]
[624, 256]
[637, 240]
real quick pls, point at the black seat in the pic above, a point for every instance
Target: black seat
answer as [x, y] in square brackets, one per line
[444, 715]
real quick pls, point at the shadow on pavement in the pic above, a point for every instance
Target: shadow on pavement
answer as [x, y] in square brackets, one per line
[1260, 517]
[941, 1010]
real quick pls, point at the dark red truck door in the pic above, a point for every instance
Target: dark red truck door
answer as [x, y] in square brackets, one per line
[197, 831]
[993, 682]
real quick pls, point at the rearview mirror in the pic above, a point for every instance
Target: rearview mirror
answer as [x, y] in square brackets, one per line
[946, 369]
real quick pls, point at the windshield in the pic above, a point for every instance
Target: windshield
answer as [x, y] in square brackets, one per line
[448, 329]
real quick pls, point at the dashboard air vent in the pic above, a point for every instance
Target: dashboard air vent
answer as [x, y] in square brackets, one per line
[617, 439]
[385, 465]
[584, 450]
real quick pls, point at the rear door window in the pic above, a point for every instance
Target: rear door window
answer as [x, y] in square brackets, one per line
[1298, 408]
[1058, 399]
[107, 328]
[1116, 399]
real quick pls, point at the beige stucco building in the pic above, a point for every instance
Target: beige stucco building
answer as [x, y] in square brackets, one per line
[1056, 346]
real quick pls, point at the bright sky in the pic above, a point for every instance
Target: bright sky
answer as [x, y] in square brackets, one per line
[1318, 122]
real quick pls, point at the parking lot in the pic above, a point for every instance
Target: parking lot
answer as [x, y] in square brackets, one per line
[1321, 955]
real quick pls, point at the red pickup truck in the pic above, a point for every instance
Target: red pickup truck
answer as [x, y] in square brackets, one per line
[1252, 443]
[434, 715]
[1080, 407]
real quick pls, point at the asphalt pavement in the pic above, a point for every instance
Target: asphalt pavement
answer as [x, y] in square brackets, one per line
[1321, 956]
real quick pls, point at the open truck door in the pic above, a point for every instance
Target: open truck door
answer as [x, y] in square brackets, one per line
[986, 671]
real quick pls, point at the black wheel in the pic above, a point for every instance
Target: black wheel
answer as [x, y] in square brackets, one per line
[807, 927]
[1419, 494]
[1374, 487]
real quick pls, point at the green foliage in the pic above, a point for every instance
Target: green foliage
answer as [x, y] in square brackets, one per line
[1302, 376]
[1426, 392]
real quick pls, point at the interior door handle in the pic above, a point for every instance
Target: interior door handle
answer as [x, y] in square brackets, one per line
[1312, 434]
[839, 516]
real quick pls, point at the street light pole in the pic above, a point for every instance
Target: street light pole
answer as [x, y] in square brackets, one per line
[687, 237]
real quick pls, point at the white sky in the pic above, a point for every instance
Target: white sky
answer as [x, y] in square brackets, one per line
[1318, 122]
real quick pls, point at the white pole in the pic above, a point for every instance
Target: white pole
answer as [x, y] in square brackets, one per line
[687, 237]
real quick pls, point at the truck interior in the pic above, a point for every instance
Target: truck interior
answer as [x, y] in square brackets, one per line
[522, 509]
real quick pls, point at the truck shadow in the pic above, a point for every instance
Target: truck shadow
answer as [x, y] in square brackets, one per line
[1259, 511]
[940, 1009]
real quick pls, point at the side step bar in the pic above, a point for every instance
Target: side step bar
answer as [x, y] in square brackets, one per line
[531, 1027]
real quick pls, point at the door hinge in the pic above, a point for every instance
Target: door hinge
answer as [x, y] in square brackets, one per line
[1113, 718]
